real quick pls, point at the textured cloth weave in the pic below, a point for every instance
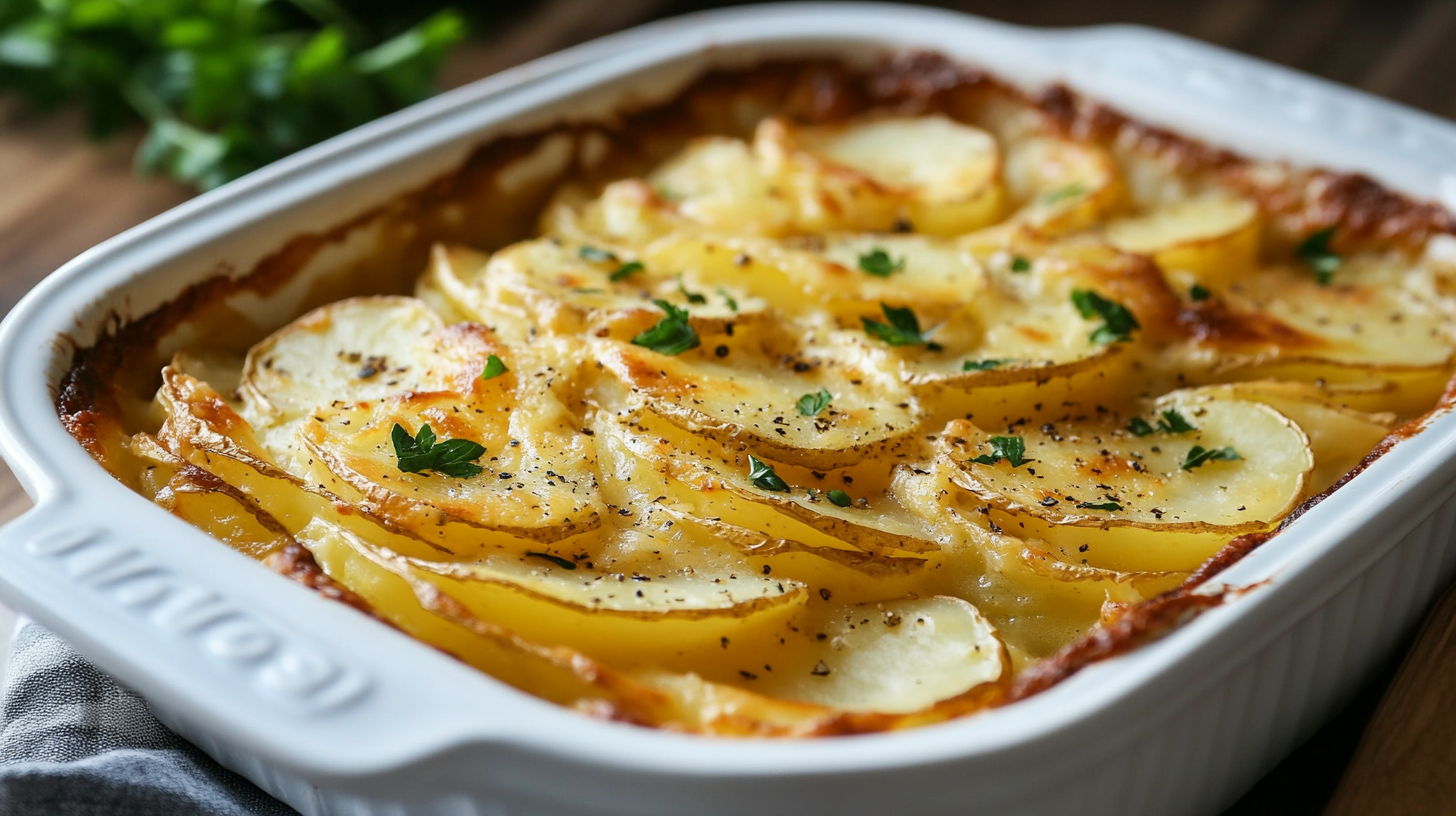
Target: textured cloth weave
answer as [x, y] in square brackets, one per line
[73, 742]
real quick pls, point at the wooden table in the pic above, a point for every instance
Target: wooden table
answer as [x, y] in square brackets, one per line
[62, 194]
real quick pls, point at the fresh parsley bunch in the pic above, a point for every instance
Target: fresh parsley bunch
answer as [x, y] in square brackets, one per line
[224, 86]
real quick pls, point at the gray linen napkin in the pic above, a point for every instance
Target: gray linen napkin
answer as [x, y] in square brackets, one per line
[73, 741]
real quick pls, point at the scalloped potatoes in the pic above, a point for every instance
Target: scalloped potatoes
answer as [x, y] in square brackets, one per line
[833, 427]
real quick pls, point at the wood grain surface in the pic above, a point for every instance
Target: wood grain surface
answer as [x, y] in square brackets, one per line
[63, 195]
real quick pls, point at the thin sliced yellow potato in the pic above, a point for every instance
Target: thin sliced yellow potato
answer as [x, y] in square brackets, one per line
[1253, 468]
[721, 184]
[1215, 238]
[947, 173]
[817, 410]
[1065, 185]
[718, 486]
[624, 619]
[894, 657]
[1339, 437]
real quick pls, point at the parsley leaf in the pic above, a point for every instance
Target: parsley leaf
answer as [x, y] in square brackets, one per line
[1020, 264]
[877, 262]
[672, 335]
[555, 559]
[625, 270]
[453, 457]
[1110, 506]
[692, 297]
[1072, 190]
[903, 329]
[763, 476]
[493, 368]
[1174, 422]
[728, 299]
[813, 404]
[1009, 448]
[1197, 455]
[591, 253]
[1137, 426]
[1316, 253]
[1118, 323]
[839, 498]
[1197, 293]
[982, 365]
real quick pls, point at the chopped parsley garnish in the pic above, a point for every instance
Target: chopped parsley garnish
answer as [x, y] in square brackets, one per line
[813, 404]
[1020, 263]
[1117, 322]
[1110, 506]
[692, 297]
[591, 253]
[1063, 193]
[672, 334]
[626, 270]
[839, 498]
[982, 365]
[1009, 448]
[1197, 455]
[555, 559]
[1175, 423]
[493, 368]
[1137, 426]
[1316, 253]
[1197, 293]
[877, 262]
[728, 299]
[419, 453]
[763, 476]
[903, 329]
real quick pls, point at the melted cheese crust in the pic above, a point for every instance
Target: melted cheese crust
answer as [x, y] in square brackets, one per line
[835, 428]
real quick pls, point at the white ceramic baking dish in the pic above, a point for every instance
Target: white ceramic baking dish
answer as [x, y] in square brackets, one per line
[333, 713]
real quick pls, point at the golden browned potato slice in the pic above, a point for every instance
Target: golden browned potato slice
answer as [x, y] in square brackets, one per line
[420, 609]
[1211, 238]
[893, 656]
[207, 502]
[659, 461]
[825, 406]
[541, 488]
[1375, 320]
[531, 473]
[1064, 185]
[1239, 469]
[946, 174]
[624, 619]
[720, 184]
[577, 290]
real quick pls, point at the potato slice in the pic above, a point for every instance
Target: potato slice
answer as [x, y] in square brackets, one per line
[636, 619]
[721, 183]
[825, 196]
[1339, 437]
[772, 404]
[1096, 474]
[1373, 316]
[1066, 185]
[423, 375]
[1213, 237]
[698, 475]
[545, 285]
[947, 173]
[362, 348]
[421, 610]
[894, 657]
[542, 488]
